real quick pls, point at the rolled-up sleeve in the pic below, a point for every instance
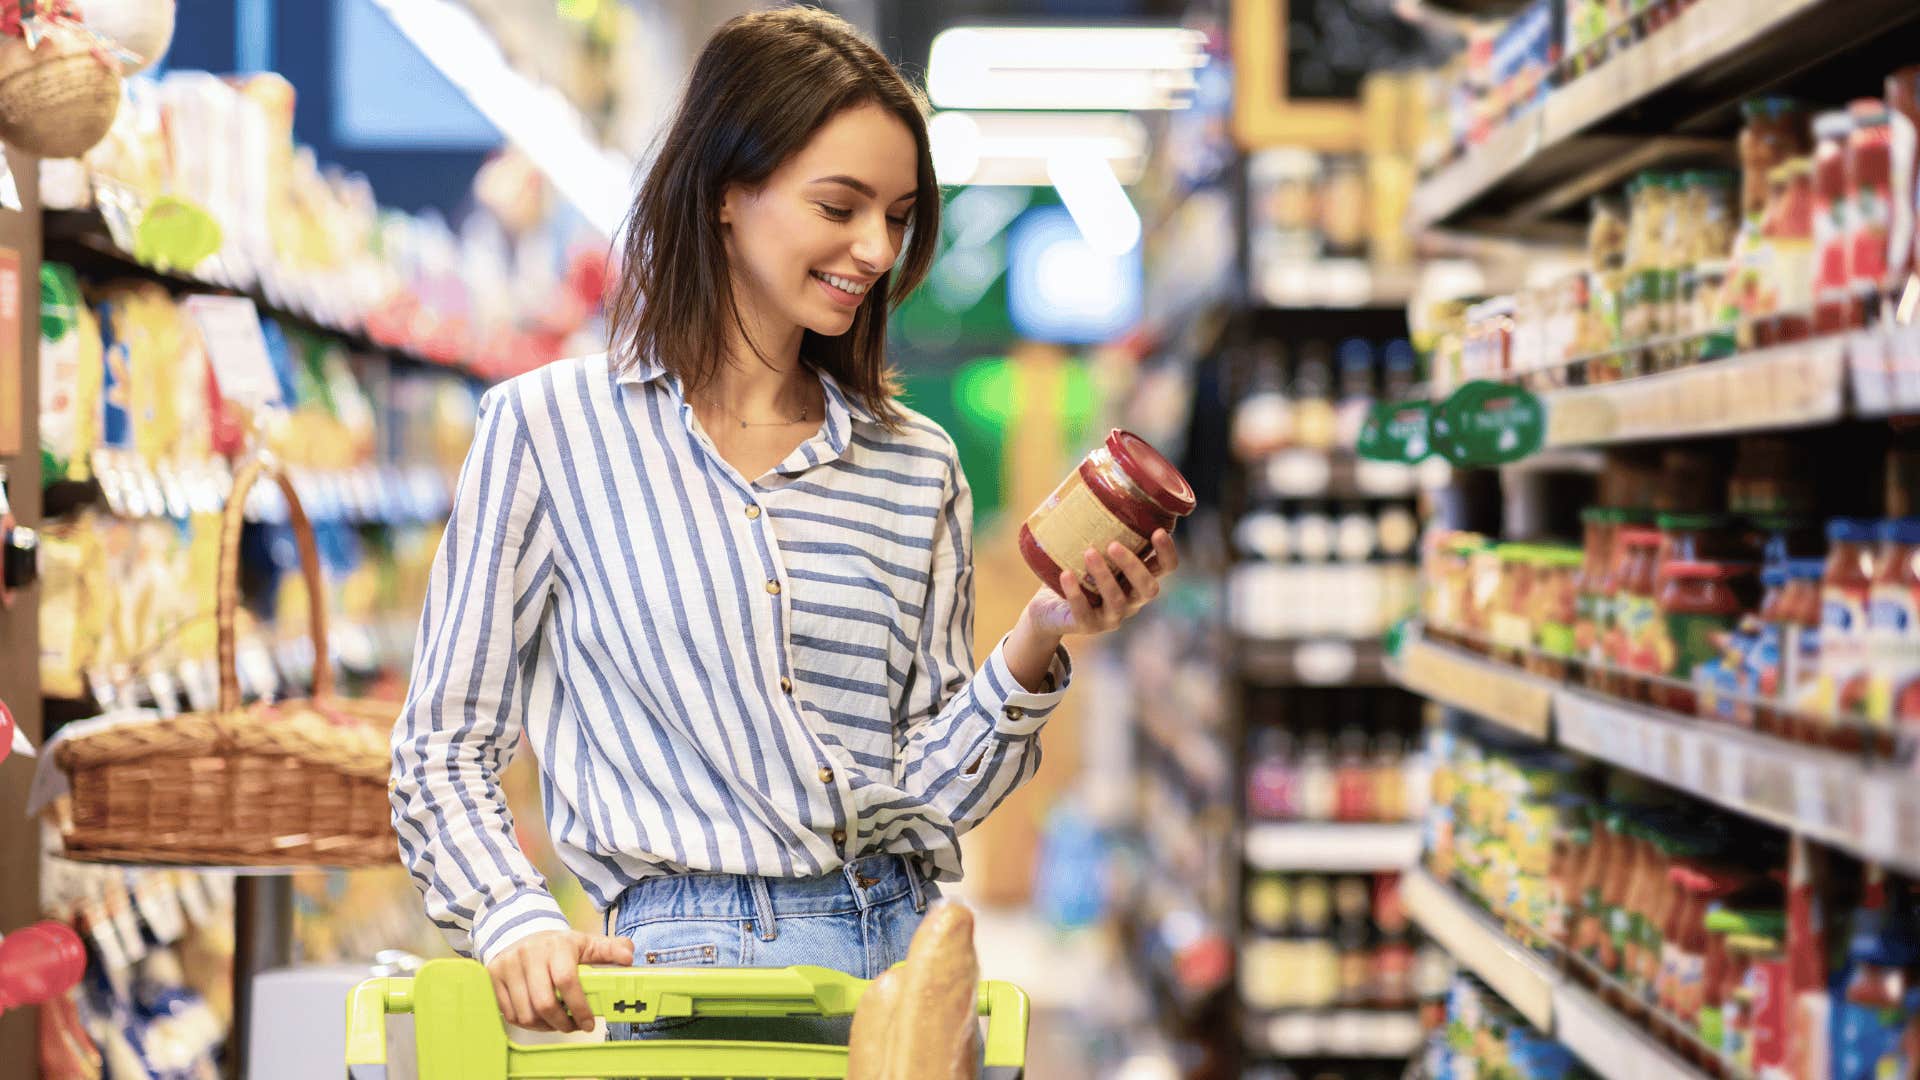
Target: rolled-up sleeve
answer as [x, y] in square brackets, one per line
[464, 709]
[968, 738]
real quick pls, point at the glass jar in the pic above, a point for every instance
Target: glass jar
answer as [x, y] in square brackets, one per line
[1832, 279]
[1700, 603]
[1123, 492]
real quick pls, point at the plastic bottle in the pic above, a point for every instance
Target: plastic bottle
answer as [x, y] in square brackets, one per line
[1845, 588]
[1893, 626]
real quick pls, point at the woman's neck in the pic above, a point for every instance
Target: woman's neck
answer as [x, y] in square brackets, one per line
[763, 382]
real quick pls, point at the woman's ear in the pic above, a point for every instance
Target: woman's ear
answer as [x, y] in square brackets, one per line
[729, 199]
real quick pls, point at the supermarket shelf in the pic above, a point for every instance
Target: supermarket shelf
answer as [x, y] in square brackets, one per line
[1712, 54]
[80, 238]
[1496, 692]
[1841, 800]
[1332, 284]
[1871, 810]
[1520, 975]
[1787, 386]
[1342, 1033]
[1315, 474]
[1315, 662]
[1332, 847]
[1614, 1047]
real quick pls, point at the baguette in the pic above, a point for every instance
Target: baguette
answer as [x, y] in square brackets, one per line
[872, 1025]
[935, 1034]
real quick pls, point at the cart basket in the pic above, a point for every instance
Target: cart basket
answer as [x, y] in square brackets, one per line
[460, 1036]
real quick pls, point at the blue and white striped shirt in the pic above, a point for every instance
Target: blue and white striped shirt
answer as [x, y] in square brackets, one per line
[767, 677]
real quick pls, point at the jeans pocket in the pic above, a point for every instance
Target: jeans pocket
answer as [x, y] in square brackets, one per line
[679, 943]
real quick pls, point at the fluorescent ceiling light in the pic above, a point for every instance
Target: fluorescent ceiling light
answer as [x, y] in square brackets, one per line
[1099, 205]
[1064, 67]
[533, 116]
[1012, 148]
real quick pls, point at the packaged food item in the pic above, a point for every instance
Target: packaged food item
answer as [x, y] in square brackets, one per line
[1834, 310]
[1903, 129]
[1845, 590]
[1700, 604]
[1776, 129]
[1123, 492]
[71, 359]
[1893, 626]
[1635, 611]
[1870, 200]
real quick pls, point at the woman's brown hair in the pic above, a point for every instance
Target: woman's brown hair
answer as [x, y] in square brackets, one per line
[763, 85]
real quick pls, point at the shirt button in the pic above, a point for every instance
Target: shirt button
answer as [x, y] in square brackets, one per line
[1015, 712]
[753, 511]
[773, 586]
[826, 776]
[839, 838]
[786, 685]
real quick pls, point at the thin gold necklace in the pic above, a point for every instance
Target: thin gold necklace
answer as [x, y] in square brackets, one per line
[801, 419]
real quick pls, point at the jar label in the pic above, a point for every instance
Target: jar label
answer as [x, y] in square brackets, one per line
[1074, 519]
[1893, 619]
[1635, 618]
[1692, 640]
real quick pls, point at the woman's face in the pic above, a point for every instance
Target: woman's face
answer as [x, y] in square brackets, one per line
[809, 244]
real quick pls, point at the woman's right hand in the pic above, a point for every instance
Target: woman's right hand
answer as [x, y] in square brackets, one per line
[537, 981]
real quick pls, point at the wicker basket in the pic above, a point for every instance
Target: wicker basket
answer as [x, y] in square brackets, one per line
[298, 783]
[56, 100]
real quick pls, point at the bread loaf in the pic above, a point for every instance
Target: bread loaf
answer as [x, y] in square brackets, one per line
[873, 1026]
[935, 1034]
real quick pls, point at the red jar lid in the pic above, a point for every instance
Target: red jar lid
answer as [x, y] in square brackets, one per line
[1154, 474]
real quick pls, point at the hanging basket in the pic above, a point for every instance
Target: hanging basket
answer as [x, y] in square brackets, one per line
[58, 99]
[297, 783]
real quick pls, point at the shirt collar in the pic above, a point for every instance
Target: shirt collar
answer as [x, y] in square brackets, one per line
[841, 406]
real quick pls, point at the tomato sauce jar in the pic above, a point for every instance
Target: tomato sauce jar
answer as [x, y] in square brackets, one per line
[1121, 493]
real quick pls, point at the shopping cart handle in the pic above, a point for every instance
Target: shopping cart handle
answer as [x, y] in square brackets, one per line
[367, 1010]
[459, 1033]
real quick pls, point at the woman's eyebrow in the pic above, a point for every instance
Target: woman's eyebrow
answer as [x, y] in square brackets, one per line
[858, 185]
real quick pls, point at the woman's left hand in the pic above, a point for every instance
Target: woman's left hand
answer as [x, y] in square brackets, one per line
[1073, 613]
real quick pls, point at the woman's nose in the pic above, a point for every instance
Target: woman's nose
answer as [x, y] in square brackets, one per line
[875, 248]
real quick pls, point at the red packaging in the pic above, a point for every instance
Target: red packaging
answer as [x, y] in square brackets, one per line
[1832, 216]
[1870, 199]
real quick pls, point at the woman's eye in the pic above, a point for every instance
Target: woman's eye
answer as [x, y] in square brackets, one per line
[837, 213]
[900, 222]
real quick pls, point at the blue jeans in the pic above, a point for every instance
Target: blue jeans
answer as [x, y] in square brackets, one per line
[858, 919]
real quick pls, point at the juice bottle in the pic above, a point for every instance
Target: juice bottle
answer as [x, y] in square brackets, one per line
[1893, 621]
[1870, 197]
[1636, 611]
[1845, 588]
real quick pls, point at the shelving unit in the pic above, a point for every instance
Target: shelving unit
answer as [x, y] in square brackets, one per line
[1647, 105]
[1312, 662]
[1333, 848]
[1871, 810]
[1336, 1033]
[1610, 1045]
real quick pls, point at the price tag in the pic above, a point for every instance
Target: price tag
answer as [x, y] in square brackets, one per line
[1809, 798]
[230, 325]
[1768, 785]
[1691, 769]
[1878, 809]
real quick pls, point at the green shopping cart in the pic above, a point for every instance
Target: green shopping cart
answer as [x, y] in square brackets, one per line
[459, 1034]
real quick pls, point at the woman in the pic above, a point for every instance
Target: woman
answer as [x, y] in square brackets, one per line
[721, 580]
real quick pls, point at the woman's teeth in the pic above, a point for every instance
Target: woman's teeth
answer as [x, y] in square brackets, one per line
[843, 284]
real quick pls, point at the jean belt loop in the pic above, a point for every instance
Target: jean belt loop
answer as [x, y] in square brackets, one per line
[913, 884]
[762, 908]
